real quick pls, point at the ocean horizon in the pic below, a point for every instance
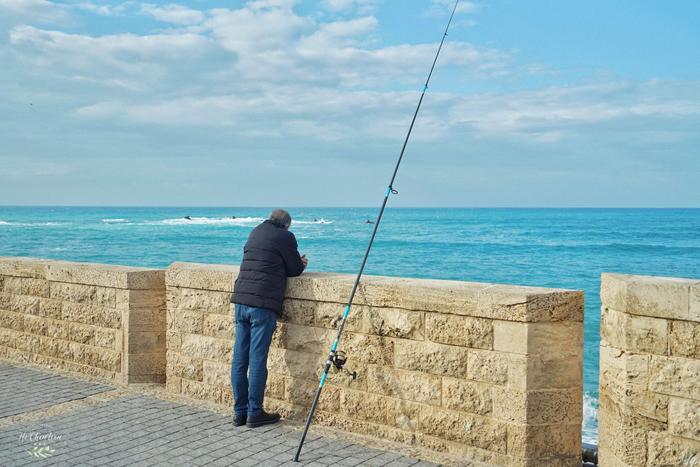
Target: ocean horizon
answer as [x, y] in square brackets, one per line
[546, 247]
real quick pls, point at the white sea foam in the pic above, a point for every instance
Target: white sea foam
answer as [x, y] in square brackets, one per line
[4, 223]
[213, 221]
[315, 221]
[590, 419]
[115, 221]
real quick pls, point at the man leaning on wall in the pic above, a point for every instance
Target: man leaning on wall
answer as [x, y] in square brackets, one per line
[270, 256]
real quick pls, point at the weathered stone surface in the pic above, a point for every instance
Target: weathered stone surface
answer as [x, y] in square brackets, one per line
[326, 315]
[275, 386]
[684, 418]
[49, 308]
[393, 322]
[467, 396]
[217, 373]
[77, 293]
[538, 407]
[23, 267]
[104, 275]
[528, 304]
[661, 297]
[219, 326]
[206, 347]
[201, 276]
[406, 385]
[145, 342]
[202, 300]
[145, 368]
[487, 366]
[26, 286]
[481, 432]
[671, 451]
[675, 376]
[182, 366]
[7, 337]
[293, 363]
[561, 338]
[201, 391]
[303, 338]
[463, 331]
[90, 314]
[634, 333]
[544, 372]
[187, 321]
[685, 339]
[431, 358]
[19, 303]
[694, 314]
[380, 409]
[10, 320]
[542, 441]
[368, 349]
[301, 392]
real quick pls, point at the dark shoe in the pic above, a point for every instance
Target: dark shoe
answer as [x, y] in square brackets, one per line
[239, 420]
[263, 418]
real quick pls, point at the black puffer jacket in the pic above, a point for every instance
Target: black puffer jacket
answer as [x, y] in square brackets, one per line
[270, 256]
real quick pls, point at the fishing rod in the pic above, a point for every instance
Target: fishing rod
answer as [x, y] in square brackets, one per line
[337, 358]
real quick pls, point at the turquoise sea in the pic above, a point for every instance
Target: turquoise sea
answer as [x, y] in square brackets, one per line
[566, 248]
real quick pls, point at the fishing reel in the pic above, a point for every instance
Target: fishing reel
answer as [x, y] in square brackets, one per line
[339, 360]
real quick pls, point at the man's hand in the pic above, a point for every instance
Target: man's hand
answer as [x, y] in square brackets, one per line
[305, 261]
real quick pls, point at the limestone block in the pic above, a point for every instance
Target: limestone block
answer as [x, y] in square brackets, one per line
[343, 379]
[173, 384]
[467, 396]
[77, 293]
[145, 342]
[380, 409]
[144, 298]
[35, 325]
[293, 363]
[675, 376]
[544, 372]
[304, 312]
[463, 331]
[457, 453]
[204, 300]
[303, 338]
[81, 333]
[543, 441]
[564, 406]
[685, 339]
[208, 348]
[7, 337]
[19, 303]
[406, 385]
[147, 319]
[275, 386]
[670, 451]
[49, 308]
[487, 366]
[23, 267]
[26, 286]
[327, 315]
[96, 357]
[219, 326]
[202, 391]
[477, 431]
[431, 358]
[634, 333]
[90, 314]
[302, 392]
[393, 322]
[217, 373]
[375, 430]
[173, 340]
[564, 339]
[146, 367]
[684, 418]
[106, 296]
[201, 276]
[367, 349]
[660, 297]
[529, 304]
[104, 275]
[185, 367]
[695, 302]
[188, 321]
[10, 320]
[613, 291]
[608, 459]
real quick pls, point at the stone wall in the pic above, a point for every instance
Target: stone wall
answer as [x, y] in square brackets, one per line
[649, 371]
[480, 372]
[104, 321]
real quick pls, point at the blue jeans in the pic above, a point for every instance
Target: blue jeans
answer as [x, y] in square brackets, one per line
[254, 329]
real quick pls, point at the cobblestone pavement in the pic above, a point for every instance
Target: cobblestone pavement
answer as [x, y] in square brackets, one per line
[139, 430]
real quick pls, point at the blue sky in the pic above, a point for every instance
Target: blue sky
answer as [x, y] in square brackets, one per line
[306, 103]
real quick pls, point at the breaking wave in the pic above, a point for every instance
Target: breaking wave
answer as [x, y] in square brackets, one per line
[213, 221]
[590, 419]
[115, 221]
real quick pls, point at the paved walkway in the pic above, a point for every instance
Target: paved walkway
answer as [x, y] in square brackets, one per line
[48, 419]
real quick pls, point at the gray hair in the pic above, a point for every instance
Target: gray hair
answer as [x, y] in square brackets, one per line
[281, 218]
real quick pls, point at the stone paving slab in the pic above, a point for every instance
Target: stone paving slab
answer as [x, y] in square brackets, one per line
[23, 390]
[140, 430]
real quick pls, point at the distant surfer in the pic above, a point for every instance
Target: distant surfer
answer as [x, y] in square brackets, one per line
[369, 222]
[189, 218]
[231, 217]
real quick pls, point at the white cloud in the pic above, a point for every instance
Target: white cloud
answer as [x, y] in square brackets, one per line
[175, 14]
[346, 6]
[38, 11]
[441, 7]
